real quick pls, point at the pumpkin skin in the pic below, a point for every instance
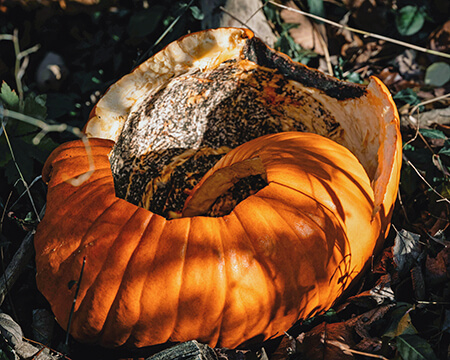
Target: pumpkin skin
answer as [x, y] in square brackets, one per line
[250, 274]
[285, 253]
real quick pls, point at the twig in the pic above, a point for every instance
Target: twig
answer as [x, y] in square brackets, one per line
[416, 124]
[35, 180]
[365, 354]
[430, 101]
[20, 66]
[365, 33]
[257, 11]
[20, 172]
[45, 127]
[442, 198]
[324, 45]
[432, 302]
[6, 37]
[13, 309]
[43, 346]
[235, 18]
[348, 351]
[18, 263]
[399, 197]
[169, 28]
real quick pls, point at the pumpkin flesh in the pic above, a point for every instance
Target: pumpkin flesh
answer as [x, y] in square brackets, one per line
[180, 111]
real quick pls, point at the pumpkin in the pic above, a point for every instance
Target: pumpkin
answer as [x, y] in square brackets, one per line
[316, 163]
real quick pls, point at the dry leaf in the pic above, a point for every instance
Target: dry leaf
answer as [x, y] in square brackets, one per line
[362, 324]
[406, 250]
[407, 64]
[327, 341]
[369, 345]
[440, 39]
[287, 347]
[437, 269]
[305, 35]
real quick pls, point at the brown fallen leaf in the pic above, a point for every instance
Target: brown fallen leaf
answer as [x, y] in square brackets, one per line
[389, 76]
[327, 341]
[439, 39]
[379, 294]
[339, 340]
[407, 65]
[286, 348]
[437, 269]
[305, 35]
[369, 345]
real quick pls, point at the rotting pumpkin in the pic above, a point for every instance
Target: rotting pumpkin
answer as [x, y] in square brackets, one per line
[210, 110]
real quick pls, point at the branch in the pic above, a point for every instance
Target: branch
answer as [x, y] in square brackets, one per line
[18, 263]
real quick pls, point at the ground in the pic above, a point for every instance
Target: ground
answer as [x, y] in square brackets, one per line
[58, 57]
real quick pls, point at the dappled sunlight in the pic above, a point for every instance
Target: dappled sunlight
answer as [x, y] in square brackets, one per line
[205, 113]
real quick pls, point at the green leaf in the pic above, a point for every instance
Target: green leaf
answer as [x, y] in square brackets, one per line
[143, 23]
[316, 7]
[408, 96]
[437, 74]
[409, 20]
[446, 149]
[5, 158]
[445, 192]
[409, 181]
[34, 106]
[61, 104]
[413, 347]
[354, 77]
[8, 97]
[24, 161]
[401, 323]
[7, 354]
[197, 14]
[433, 133]
[43, 150]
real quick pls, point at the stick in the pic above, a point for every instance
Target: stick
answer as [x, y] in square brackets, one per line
[18, 263]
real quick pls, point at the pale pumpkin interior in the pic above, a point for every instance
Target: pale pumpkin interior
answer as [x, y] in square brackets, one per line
[209, 92]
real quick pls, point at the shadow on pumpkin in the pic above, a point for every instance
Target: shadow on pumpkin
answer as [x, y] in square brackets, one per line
[147, 278]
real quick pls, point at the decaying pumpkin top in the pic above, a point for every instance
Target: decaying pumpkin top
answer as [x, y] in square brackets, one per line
[211, 91]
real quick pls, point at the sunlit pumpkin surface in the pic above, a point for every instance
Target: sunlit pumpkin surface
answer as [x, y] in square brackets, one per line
[230, 193]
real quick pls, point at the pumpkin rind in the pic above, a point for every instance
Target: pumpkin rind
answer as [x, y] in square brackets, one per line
[249, 274]
[286, 252]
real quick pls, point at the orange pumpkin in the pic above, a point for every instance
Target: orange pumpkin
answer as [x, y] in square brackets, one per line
[285, 252]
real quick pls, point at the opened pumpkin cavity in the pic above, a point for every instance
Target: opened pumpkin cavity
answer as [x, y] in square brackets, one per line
[178, 113]
[235, 191]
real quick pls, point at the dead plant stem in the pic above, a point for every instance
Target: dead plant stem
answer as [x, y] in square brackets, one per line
[442, 198]
[20, 173]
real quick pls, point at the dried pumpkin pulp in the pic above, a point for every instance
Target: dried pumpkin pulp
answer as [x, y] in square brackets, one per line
[233, 191]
